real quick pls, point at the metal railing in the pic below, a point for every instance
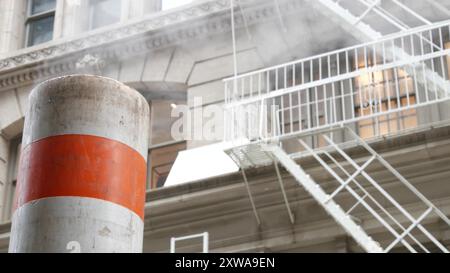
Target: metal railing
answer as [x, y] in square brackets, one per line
[372, 198]
[385, 13]
[391, 75]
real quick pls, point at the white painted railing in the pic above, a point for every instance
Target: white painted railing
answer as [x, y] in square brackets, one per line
[383, 13]
[394, 74]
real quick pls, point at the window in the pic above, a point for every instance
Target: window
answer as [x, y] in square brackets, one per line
[380, 92]
[161, 161]
[170, 4]
[389, 123]
[163, 148]
[104, 12]
[40, 21]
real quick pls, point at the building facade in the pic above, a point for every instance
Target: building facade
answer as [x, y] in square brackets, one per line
[176, 55]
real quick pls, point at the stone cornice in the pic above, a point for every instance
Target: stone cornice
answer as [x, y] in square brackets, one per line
[106, 36]
[163, 29]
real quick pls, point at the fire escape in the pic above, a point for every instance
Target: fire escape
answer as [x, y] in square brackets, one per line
[318, 102]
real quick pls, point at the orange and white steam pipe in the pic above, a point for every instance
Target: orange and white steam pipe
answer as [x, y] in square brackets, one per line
[82, 171]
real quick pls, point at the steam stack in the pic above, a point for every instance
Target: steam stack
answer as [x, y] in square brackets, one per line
[81, 181]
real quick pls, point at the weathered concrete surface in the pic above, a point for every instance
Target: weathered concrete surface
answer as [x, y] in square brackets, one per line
[90, 105]
[51, 224]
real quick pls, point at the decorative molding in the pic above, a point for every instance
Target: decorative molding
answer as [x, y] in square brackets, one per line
[157, 22]
[163, 29]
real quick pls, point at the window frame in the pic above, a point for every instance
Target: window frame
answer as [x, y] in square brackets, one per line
[399, 117]
[175, 6]
[11, 178]
[30, 18]
[91, 11]
[151, 184]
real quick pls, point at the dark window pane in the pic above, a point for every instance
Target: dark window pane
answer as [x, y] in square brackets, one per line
[161, 181]
[161, 162]
[38, 6]
[40, 31]
[104, 12]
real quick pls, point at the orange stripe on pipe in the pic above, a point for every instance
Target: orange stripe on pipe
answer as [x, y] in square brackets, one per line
[84, 166]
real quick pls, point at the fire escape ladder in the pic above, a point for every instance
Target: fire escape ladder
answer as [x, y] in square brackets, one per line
[339, 215]
[348, 21]
[366, 33]
[367, 192]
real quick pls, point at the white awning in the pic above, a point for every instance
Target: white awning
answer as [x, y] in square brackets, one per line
[203, 162]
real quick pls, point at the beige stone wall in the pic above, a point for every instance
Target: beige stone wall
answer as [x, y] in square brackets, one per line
[13, 104]
[12, 18]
